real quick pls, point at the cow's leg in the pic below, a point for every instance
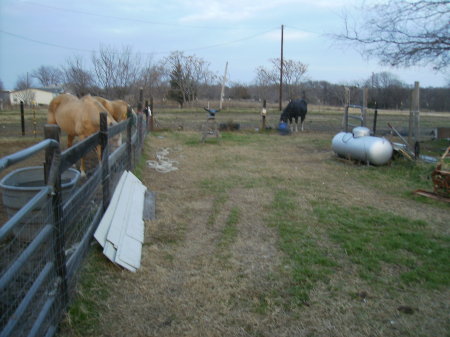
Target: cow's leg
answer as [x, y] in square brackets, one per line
[296, 124]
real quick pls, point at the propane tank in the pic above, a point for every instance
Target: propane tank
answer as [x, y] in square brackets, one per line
[361, 146]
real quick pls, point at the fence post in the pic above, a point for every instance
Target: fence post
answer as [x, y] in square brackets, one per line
[22, 118]
[416, 111]
[52, 157]
[105, 159]
[263, 116]
[141, 99]
[347, 103]
[364, 106]
[375, 117]
[146, 114]
[51, 131]
[129, 148]
[152, 114]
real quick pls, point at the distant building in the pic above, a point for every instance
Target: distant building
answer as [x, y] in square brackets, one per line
[32, 96]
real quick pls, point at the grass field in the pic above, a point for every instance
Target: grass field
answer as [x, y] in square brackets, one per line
[263, 235]
[259, 234]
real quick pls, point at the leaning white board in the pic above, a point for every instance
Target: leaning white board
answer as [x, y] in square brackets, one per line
[121, 230]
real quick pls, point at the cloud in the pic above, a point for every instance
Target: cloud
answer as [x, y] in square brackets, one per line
[240, 10]
[227, 10]
[289, 35]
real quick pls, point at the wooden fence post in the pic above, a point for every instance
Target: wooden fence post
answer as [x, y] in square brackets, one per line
[51, 131]
[347, 103]
[52, 157]
[129, 145]
[105, 159]
[414, 117]
[365, 93]
[416, 110]
[141, 99]
[22, 118]
[146, 114]
[152, 114]
[263, 116]
[375, 118]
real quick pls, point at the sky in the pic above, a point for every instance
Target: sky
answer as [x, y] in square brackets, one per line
[244, 33]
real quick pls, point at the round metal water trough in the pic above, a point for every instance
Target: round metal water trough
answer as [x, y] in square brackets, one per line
[20, 185]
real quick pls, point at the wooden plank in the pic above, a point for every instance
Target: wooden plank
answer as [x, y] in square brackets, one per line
[431, 195]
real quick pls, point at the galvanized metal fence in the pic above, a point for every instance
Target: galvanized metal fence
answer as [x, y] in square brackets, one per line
[43, 244]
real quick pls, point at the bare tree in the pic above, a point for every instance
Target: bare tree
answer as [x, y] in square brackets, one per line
[77, 78]
[23, 86]
[117, 70]
[386, 90]
[293, 75]
[186, 76]
[48, 76]
[402, 32]
[151, 79]
[23, 82]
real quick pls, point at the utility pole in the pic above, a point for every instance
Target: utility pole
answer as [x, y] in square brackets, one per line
[281, 68]
[224, 80]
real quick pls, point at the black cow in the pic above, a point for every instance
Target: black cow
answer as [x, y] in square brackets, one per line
[295, 108]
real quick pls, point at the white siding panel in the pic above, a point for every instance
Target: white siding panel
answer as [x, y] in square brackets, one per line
[129, 253]
[119, 222]
[109, 251]
[104, 225]
[121, 230]
[135, 227]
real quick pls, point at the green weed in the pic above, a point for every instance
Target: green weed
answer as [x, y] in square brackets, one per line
[84, 312]
[307, 262]
[374, 239]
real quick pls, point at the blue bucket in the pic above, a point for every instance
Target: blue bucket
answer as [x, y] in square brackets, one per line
[283, 128]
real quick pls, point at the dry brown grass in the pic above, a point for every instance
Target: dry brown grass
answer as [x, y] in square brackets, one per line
[197, 279]
[192, 284]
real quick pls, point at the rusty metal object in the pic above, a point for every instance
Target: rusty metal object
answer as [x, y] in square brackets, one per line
[441, 177]
[441, 181]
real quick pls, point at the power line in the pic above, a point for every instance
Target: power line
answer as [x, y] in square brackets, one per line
[147, 53]
[171, 24]
[302, 30]
[234, 41]
[43, 42]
